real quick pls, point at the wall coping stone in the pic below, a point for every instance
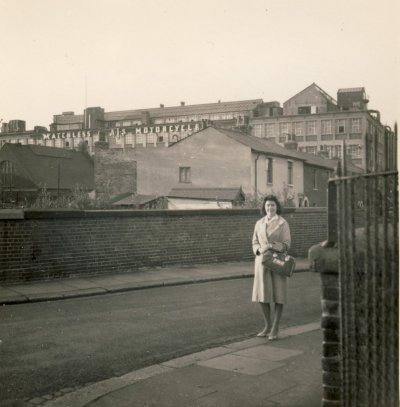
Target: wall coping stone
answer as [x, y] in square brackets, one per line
[137, 213]
[11, 214]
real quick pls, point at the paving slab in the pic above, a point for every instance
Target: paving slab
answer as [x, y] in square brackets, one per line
[40, 288]
[80, 283]
[196, 357]
[241, 364]
[265, 352]
[220, 399]
[247, 343]
[162, 390]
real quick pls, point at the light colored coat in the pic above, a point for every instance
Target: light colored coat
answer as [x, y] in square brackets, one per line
[269, 286]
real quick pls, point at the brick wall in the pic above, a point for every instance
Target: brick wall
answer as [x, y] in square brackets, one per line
[54, 244]
[324, 260]
[115, 172]
[316, 197]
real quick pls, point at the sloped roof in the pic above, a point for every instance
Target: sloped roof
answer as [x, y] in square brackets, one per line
[320, 90]
[209, 194]
[259, 145]
[313, 159]
[220, 107]
[42, 163]
[129, 199]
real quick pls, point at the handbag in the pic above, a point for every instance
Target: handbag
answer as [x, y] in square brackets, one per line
[280, 262]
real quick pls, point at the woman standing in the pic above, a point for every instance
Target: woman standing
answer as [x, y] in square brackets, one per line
[270, 232]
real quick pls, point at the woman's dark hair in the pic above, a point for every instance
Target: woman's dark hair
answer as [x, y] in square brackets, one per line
[271, 198]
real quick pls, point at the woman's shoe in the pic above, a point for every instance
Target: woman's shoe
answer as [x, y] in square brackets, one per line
[263, 333]
[272, 337]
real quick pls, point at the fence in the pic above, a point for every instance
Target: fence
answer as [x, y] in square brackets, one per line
[359, 267]
[368, 281]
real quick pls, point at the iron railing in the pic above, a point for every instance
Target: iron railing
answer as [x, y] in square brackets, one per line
[367, 227]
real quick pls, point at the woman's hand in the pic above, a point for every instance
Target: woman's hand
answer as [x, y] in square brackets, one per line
[277, 246]
[263, 249]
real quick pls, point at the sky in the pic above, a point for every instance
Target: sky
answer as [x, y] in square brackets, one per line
[58, 55]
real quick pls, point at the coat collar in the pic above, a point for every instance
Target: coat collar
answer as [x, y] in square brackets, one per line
[276, 218]
[274, 224]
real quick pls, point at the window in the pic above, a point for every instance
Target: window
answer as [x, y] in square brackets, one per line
[184, 174]
[354, 150]
[284, 129]
[311, 128]
[270, 170]
[270, 129]
[340, 126]
[334, 151]
[304, 110]
[355, 125]
[315, 178]
[139, 139]
[326, 126]
[290, 172]
[258, 130]
[298, 129]
[7, 174]
[311, 150]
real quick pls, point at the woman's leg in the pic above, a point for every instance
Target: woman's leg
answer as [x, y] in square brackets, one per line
[277, 319]
[266, 310]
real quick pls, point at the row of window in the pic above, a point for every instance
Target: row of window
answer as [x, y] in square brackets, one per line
[61, 143]
[352, 150]
[180, 119]
[198, 117]
[337, 126]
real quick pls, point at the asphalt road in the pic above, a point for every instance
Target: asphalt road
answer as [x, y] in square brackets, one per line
[59, 344]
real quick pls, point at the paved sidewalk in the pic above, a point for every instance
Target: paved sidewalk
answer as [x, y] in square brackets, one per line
[254, 372]
[141, 279]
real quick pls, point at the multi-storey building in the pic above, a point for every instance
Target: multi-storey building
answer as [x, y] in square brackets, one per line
[136, 128]
[317, 123]
[312, 118]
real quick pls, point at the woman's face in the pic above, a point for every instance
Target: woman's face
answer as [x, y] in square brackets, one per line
[270, 208]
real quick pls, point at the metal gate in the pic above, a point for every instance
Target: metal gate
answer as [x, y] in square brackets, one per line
[367, 237]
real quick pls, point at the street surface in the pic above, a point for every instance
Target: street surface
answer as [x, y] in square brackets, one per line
[59, 344]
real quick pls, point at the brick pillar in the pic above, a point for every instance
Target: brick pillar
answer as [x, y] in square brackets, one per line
[325, 261]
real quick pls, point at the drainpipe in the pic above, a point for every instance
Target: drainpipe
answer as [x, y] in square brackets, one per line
[255, 177]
